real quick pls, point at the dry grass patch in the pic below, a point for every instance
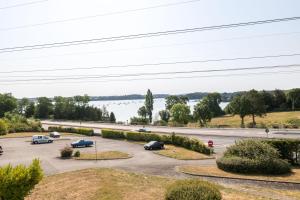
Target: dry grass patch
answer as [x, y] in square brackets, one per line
[30, 134]
[215, 171]
[271, 118]
[106, 155]
[182, 153]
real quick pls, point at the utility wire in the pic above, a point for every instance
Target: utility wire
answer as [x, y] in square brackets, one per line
[154, 73]
[22, 4]
[148, 64]
[98, 15]
[141, 35]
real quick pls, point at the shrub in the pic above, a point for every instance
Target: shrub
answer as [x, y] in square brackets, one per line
[113, 134]
[3, 127]
[16, 182]
[135, 136]
[77, 154]
[66, 152]
[160, 123]
[253, 156]
[193, 190]
[139, 121]
[81, 131]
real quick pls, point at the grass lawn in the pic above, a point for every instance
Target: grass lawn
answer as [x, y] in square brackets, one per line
[215, 171]
[30, 134]
[110, 184]
[107, 155]
[270, 119]
[182, 153]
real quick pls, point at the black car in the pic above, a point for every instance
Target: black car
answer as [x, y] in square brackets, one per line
[1, 151]
[153, 145]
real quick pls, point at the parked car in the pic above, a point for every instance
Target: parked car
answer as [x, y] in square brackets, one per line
[41, 139]
[54, 135]
[1, 150]
[153, 145]
[82, 143]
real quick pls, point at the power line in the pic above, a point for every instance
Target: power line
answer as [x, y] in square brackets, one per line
[141, 35]
[99, 15]
[149, 64]
[22, 4]
[154, 73]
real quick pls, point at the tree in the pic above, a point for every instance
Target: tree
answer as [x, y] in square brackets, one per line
[279, 100]
[180, 113]
[22, 105]
[149, 104]
[142, 112]
[257, 104]
[213, 100]
[8, 103]
[44, 108]
[202, 112]
[30, 109]
[294, 97]
[112, 118]
[172, 100]
[268, 99]
[240, 105]
[164, 115]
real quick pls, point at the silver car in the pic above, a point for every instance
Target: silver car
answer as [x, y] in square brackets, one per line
[41, 139]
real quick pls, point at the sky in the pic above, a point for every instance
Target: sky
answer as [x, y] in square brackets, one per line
[19, 26]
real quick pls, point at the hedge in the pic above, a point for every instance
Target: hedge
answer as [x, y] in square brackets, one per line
[192, 189]
[288, 149]
[253, 156]
[112, 134]
[186, 142]
[3, 127]
[16, 182]
[81, 131]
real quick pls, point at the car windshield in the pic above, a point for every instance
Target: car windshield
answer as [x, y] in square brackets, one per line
[152, 142]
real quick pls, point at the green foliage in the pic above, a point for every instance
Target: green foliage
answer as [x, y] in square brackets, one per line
[213, 100]
[289, 149]
[3, 127]
[30, 110]
[81, 131]
[16, 182]
[139, 121]
[112, 118]
[8, 103]
[253, 156]
[180, 113]
[112, 134]
[202, 112]
[164, 115]
[193, 189]
[44, 108]
[160, 123]
[66, 152]
[293, 96]
[18, 123]
[142, 112]
[149, 104]
[77, 154]
[172, 100]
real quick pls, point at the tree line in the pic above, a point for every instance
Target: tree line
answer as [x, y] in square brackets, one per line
[69, 108]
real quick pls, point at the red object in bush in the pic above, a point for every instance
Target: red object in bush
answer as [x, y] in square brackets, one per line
[210, 143]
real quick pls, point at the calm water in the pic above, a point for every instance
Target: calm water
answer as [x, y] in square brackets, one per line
[124, 109]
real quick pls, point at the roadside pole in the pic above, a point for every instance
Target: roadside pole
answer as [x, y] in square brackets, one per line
[96, 150]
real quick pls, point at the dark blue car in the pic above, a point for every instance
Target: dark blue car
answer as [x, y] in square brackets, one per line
[82, 143]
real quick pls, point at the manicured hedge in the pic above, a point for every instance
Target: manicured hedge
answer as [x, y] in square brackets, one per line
[192, 189]
[112, 134]
[81, 131]
[253, 156]
[288, 149]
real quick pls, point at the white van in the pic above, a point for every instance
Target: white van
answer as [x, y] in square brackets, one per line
[40, 139]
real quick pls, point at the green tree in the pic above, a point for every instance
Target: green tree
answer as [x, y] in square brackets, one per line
[294, 97]
[279, 100]
[180, 113]
[172, 100]
[268, 99]
[257, 104]
[44, 108]
[112, 118]
[149, 104]
[240, 105]
[22, 105]
[164, 115]
[213, 100]
[142, 112]
[202, 112]
[8, 103]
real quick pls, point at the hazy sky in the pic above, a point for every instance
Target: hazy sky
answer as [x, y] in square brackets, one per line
[259, 40]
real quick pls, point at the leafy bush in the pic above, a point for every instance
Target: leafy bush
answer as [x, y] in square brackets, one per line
[77, 154]
[3, 127]
[113, 134]
[160, 123]
[81, 131]
[253, 156]
[288, 149]
[66, 152]
[18, 123]
[193, 190]
[16, 182]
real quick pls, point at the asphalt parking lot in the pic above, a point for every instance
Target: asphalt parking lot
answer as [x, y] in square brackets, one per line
[21, 151]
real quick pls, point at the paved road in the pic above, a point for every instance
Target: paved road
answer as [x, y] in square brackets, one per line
[234, 133]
